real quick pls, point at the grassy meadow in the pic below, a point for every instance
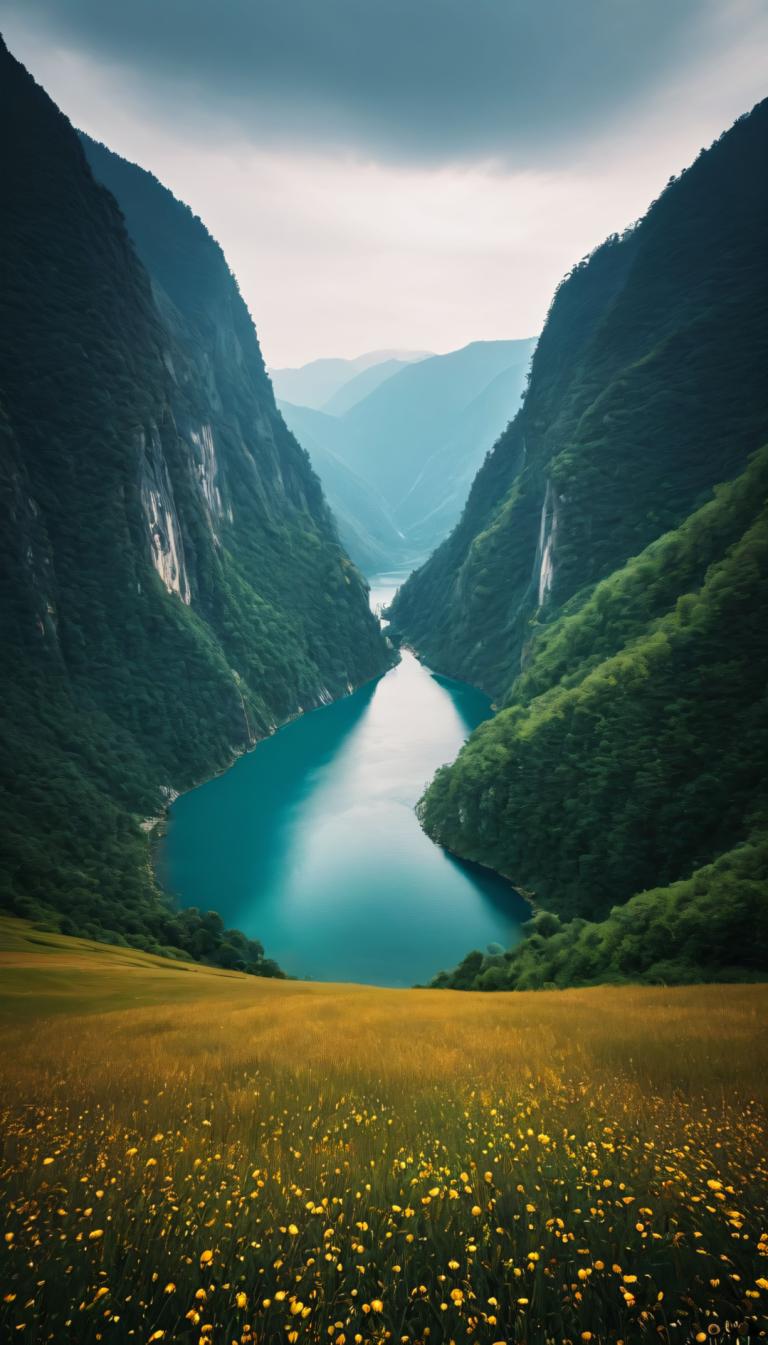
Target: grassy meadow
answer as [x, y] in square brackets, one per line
[191, 1155]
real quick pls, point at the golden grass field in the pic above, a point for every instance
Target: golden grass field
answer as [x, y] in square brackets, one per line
[197, 1156]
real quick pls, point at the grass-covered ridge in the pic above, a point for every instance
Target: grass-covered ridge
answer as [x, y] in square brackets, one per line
[710, 927]
[221, 1158]
[640, 764]
[628, 767]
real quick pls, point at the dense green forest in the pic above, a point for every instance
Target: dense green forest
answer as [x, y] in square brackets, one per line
[173, 587]
[608, 584]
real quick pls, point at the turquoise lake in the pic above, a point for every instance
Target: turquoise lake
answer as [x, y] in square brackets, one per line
[310, 842]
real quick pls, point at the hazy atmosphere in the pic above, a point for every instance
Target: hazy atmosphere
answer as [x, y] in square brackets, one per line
[384, 672]
[406, 174]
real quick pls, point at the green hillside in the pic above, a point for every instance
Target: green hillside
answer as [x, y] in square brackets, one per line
[172, 583]
[608, 583]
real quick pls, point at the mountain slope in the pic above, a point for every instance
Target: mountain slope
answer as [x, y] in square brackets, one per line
[438, 494]
[402, 422]
[316, 383]
[632, 749]
[365, 524]
[612, 594]
[172, 582]
[362, 385]
[418, 438]
[647, 388]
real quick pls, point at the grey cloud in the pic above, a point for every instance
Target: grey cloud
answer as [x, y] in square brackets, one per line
[408, 80]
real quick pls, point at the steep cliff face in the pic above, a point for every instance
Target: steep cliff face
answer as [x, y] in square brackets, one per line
[173, 586]
[647, 388]
[608, 583]
[251, 477]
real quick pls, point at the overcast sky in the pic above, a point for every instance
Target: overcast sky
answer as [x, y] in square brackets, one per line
[400, 173]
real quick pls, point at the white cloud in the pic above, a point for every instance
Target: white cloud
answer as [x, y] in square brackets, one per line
[336, 254]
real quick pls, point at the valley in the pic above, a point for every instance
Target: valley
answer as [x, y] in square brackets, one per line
[383, 737]
[397, 445]
[579, 522]
[311, 842]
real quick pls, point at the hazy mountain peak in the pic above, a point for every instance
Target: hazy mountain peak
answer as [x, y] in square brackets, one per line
[315, 383]
[415, 432]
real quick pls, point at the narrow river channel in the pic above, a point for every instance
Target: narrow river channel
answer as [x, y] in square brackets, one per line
[310, 842]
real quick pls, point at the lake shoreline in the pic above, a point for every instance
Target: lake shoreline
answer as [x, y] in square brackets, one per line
[155, 826]
[312, 844]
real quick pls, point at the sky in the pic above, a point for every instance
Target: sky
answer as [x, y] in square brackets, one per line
[400, 174]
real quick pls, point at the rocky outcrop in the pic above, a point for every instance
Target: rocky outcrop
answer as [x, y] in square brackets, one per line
[172, 584]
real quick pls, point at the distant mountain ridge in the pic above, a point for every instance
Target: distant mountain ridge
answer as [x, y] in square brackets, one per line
[417, 438]
[315, 384]
[365, 522]
[364, 383]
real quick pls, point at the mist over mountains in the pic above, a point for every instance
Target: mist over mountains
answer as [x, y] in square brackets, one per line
[334, 385]
[403, 440]
[315, 681]
[584, 516]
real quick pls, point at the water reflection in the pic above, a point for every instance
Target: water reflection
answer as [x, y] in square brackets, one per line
[310, 843]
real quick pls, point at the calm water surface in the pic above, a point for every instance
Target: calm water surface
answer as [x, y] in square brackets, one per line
[310, 842]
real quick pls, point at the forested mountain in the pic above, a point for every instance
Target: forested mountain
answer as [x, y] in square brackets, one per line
[418, 438]
[172, 582]
[607, 583]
